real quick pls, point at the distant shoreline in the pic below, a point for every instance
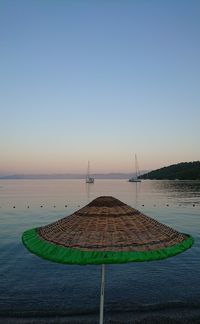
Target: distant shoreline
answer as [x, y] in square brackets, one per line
[179, 171]
[96, 178]
[66, 176]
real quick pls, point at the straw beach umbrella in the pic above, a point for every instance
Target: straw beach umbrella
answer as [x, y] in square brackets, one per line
[103, 232]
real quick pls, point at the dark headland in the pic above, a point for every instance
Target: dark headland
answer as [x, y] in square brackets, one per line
[180, 171]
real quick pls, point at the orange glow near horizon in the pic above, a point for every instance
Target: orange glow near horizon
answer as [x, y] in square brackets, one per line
[64, 164]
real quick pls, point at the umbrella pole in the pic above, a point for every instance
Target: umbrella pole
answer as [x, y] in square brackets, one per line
[102, 293]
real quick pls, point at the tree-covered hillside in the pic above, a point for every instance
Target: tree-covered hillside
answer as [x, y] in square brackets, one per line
[181, 171]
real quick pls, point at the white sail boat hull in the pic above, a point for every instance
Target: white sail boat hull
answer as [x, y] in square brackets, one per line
[89, 180]
[134, 180]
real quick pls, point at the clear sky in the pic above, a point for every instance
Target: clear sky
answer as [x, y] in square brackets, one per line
[99, 81]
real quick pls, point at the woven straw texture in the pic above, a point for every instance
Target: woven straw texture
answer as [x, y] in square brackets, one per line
[107, 224]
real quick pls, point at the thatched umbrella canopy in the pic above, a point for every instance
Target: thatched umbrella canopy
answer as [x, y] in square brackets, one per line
[105, 231]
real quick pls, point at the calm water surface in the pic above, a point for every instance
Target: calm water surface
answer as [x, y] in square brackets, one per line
[30, 286]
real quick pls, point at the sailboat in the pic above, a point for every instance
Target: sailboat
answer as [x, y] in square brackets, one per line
[89, 178]
[137, 172]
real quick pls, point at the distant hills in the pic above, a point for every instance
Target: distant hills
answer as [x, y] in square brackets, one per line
[181, 171]
[69, 176]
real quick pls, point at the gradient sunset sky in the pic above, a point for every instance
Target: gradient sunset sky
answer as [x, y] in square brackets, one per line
[99, 81]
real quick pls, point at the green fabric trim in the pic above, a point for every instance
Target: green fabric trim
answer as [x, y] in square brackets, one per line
[35, 244]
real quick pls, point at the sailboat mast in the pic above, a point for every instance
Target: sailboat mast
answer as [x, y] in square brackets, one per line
[88, 169]
[137, 167]
[89, 179]
[136, 172]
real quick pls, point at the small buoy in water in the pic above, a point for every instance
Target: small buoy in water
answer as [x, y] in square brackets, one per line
[65, 206]
[142, 205]
[167, 205]
[193, 205]
[27, 206]
[13, 206]
[41, 206]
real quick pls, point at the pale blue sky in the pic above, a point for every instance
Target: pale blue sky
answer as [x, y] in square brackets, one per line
[98, 80]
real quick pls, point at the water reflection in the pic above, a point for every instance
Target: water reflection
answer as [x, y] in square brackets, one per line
[179, 186]
[136, 187]
[180, 191]
[30, 284]
[57, 194]
[88, 187]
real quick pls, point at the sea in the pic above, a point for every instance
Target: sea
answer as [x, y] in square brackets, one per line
[33, 290]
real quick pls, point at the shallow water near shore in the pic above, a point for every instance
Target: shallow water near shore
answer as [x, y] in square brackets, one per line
[31, 287]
